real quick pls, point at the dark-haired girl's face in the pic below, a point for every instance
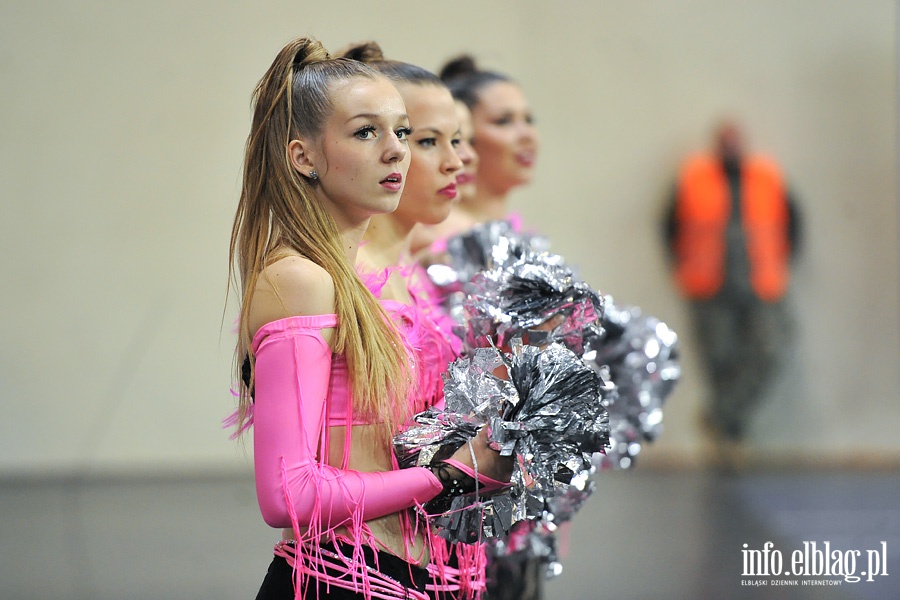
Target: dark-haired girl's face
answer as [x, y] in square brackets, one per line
[362, 155]
[505, 138]
[431, 184]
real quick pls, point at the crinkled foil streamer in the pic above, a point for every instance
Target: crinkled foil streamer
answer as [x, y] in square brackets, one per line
[635, 355]
[548, 415]
[535, 290]
[486, 246]
[536, 539]
[501, 284]
[640, 353]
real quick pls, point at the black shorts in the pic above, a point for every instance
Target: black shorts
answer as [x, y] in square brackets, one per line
[279, 581]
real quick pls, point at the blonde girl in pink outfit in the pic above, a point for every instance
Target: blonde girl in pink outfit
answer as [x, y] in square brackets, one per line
[329, 377]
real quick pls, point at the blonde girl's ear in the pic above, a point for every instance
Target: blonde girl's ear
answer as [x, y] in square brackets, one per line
[299, 152]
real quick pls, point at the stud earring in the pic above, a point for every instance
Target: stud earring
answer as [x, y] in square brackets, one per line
[313, 174]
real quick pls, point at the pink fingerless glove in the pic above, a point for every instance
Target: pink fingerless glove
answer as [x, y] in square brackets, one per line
[293, 368]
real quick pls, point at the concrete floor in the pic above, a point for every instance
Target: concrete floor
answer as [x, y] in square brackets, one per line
[644, 535]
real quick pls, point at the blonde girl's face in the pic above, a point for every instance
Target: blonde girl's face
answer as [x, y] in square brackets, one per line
[431, 184]
[465, 177]
[362, 157]
[505, 137]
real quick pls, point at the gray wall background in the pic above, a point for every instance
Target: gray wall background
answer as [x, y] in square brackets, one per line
[123, 130]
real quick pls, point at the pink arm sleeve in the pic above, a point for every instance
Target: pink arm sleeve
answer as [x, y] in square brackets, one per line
[292, 375]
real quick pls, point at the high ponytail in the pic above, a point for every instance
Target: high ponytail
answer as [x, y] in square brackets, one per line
[397, 71]
[465, 79]
[364, 52]
[460, 66]
[279, 213]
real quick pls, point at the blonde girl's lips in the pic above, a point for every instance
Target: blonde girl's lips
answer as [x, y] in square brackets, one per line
[393, 182]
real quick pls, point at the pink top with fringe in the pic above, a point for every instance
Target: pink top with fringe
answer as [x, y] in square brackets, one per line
[295, 488]
[299, 380]
[427, 330]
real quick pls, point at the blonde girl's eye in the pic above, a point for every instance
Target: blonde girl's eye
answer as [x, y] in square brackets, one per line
[365, 133]
[403, 133]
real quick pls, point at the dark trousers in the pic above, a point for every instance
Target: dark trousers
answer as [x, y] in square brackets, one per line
[743, 340]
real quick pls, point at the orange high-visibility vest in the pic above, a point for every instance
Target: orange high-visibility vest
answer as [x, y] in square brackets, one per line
[703, 207]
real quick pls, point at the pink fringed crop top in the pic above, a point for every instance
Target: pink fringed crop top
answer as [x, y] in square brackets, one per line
[301, 389]
[427, 331]
[294, 385]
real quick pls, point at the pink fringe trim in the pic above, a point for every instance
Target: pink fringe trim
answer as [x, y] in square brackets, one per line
[427, 337]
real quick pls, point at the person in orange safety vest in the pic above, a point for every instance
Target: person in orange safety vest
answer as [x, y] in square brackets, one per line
[733, 228]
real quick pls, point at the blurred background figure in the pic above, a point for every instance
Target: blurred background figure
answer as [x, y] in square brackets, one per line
[732, 228]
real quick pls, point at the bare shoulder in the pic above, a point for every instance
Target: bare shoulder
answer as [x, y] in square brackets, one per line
[291, 286]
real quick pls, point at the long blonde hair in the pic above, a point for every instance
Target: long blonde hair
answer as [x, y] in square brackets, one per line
[278, 211]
